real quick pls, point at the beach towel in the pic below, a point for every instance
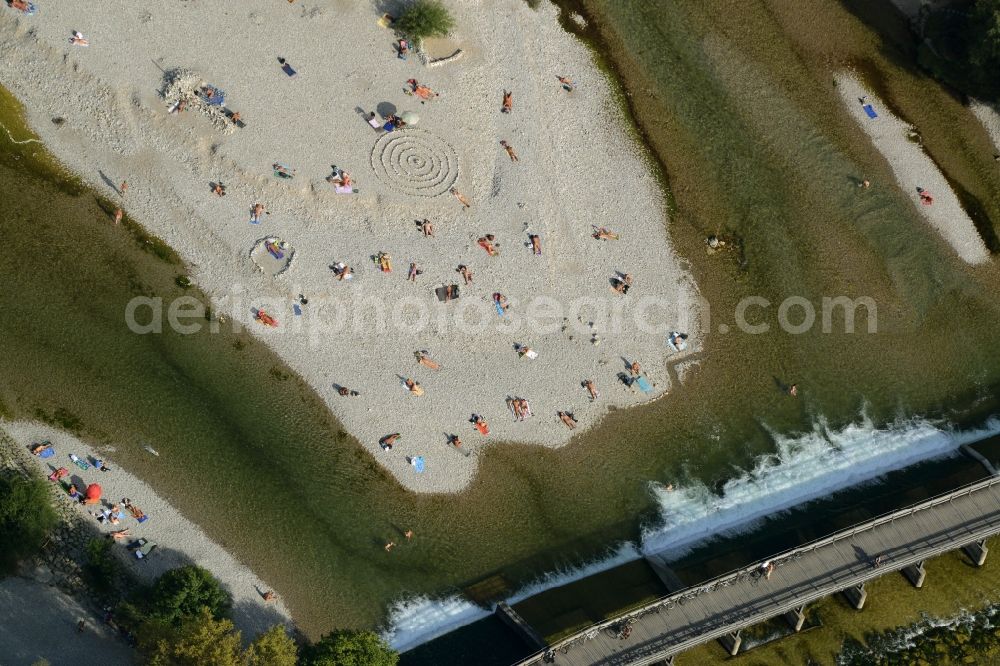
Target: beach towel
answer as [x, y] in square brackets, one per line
[58, 474]
[870, 111]
[47, 452]
[375, 123]
[643, 384]
[287, 69]
[499, 308]
[82, 464]
[344, 189]
[532, 354]
[388, 127]
[216, 98]
[296, 309]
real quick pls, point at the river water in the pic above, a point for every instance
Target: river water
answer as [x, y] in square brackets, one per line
[740, 112]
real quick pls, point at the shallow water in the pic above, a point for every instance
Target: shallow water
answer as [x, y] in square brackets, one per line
[233, 426]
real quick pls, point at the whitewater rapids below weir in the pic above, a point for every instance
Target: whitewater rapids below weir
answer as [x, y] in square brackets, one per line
[802, 468]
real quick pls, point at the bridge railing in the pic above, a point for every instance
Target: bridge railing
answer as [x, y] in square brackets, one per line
[743, 572]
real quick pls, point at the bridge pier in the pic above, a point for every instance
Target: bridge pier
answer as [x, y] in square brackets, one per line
[977, 552]
[527, 633]
[796, 618]
[732, 643]
[915, 573]
[857, 595]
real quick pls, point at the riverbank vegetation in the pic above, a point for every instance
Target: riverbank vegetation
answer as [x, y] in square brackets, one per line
[962, 46]
[26, 517]
[183, 619]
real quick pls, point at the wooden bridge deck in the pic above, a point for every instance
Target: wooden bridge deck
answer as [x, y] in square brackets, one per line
[740, 599]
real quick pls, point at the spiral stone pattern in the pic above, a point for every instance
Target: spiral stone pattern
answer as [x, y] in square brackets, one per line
[416, 162]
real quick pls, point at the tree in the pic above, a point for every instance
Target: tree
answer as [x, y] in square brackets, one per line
[963, 47]
[102, 568]
[350, 648]
[984, 47]
[425, 18]
[274, 647]
[26, 517]
[183, 592]
[198, 640]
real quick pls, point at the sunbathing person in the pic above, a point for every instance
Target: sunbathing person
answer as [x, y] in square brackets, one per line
[78, 40]
[387, 441]
[218, 189]
[426, 361]
[508, 101]
[258, 210]
[602, 233]
[480, 424]
[635, 369]
[428, 228]
[501, 301]
[342, 179]
[422, 91]
[510, 151]
[37, 449]
[568, 419]
[118, 535]
[536, 244]
[466, 273]
[486, 242]
[414, 387]
[342, 271]
[461, 197]
[589, 385]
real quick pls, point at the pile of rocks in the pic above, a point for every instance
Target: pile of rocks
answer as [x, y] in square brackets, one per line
[182, 85]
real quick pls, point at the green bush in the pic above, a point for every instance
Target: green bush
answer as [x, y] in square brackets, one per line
[102, 569]
[26, 517]
[349, 648]
[425, 18]
[182, 593]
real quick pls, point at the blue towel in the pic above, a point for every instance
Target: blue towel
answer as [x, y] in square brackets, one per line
[870, 111]
[499, 309]
[287, 69]
[296, 309]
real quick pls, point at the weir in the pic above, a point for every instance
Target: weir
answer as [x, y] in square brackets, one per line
[721, 608]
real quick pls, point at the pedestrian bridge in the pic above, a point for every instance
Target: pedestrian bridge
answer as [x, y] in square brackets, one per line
[842, 562]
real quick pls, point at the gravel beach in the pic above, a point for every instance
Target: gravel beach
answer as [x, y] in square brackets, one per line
[178, 540]
[577, 168]
[914, 170]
